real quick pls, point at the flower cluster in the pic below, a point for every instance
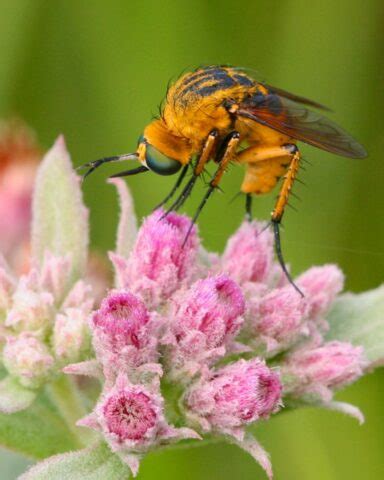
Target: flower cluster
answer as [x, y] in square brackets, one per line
[44, 320]
[186, 345]
[165, 339]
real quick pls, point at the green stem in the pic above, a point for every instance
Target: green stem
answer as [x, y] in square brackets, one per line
[67, 398]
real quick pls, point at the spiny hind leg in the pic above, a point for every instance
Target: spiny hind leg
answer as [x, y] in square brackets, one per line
[288, 156]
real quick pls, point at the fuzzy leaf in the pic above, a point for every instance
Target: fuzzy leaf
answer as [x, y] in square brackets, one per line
[60, 220]
[37, 432]
[127, 228]
[94, 463]
[13, 396]
[359, 319]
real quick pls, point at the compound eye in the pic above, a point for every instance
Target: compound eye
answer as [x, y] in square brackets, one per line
[160, 163]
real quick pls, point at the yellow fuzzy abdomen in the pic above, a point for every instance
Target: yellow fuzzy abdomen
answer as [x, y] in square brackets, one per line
[263, 176]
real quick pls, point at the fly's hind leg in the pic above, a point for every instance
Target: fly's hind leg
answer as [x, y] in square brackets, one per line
[291, 153]
[280, 205]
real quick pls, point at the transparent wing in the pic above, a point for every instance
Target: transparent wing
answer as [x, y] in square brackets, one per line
[282, 113]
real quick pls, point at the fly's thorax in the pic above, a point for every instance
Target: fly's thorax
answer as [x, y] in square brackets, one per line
[165, 141]
[196, 103]
[197, 121]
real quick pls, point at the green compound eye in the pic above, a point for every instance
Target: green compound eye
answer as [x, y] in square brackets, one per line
[160, 163]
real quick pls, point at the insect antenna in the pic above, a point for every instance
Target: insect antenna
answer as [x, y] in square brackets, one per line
[92, 166]
[133, 171]
[279, 254]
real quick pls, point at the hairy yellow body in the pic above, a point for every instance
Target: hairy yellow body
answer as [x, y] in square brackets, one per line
[220, 113]
[196, 104]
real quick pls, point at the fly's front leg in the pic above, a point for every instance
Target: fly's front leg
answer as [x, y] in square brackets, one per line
[204, 157]
[228, 153]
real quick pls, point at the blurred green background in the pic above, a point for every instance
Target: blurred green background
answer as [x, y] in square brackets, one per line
[96, 71]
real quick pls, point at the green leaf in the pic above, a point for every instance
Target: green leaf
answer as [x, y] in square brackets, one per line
[60, 219]
[13, 396]
[94, 463]
[359, 319]
[37, 432]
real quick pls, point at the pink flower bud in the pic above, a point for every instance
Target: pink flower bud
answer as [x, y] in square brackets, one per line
[316, 372]
[276, 319]
[28, 359]
[121, 319]
[213, 307]
[248, 256]
[321, 286]
[160, 262]
[238, 394]
[130, 414]
[131, 418]
[123, 334]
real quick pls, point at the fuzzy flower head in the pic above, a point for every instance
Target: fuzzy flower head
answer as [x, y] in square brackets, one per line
[131, 419]
[165, 336]
[228, 399]
[315, 373]
[123, 333]
[249, 256]
[121, 318]
[160, 262]
[129, 415]
[203, 322]
[276, 319]
[45, 320]
[321, 285]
